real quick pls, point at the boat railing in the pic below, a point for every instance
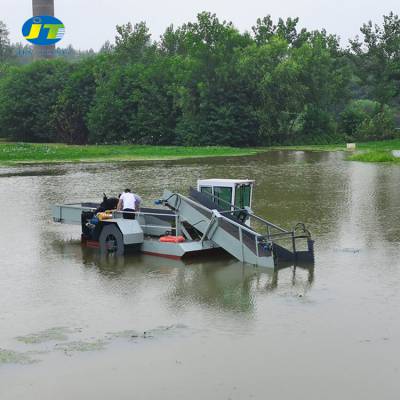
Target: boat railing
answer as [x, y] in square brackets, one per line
[173, 218]
[71, 214]
[259, 241]
[232, 209]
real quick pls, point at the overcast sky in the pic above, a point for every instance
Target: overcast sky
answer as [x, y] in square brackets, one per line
[89, 23]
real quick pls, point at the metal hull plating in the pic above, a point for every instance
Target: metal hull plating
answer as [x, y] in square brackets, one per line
[175, 251]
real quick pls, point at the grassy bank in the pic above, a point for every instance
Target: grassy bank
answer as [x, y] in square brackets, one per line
[367, 152]
[17, 153]
[311, 147]
[377, 152]
[375, 156]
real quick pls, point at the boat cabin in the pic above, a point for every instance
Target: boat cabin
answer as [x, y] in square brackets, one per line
[224, 192]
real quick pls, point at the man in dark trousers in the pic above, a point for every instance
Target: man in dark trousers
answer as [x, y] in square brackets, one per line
[127, 204]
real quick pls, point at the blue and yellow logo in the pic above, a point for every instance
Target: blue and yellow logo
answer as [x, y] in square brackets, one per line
[43, 30]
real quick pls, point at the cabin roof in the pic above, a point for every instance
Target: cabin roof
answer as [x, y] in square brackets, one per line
[217, 181]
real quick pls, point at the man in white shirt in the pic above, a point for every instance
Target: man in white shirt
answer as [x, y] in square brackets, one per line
[127, 203]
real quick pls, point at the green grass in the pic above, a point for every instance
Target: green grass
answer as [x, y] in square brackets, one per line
[311, 147]
[384, 145]
[380, 151]
[17, 153]
[374, 156]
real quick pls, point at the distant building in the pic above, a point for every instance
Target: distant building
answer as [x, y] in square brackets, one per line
[43, 7]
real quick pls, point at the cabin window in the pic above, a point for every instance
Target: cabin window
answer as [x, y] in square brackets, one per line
[206, 189]
[242, 196]
[223, 196]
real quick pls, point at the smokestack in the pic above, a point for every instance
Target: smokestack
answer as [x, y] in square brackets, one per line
[43, 7]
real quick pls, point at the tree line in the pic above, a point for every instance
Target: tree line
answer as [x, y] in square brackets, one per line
[206, 83]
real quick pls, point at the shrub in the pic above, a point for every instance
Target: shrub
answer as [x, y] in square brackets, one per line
[367, 120]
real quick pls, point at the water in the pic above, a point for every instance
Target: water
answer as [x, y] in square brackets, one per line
[75, 325]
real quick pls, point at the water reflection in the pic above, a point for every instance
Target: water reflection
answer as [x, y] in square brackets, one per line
[297, 280]
[220, 282]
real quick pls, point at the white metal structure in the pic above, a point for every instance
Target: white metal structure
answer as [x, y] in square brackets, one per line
[236, 192]
[216, 215]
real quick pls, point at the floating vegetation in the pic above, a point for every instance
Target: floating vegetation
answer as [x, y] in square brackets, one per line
[127, 334]
[161, 330]
[15, 357]
[58, 334]
[150, 333]
[81, 346]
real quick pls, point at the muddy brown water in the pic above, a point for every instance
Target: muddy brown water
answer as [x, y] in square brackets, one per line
[74, 325]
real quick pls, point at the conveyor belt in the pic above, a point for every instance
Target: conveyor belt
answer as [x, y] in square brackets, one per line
[231, 233]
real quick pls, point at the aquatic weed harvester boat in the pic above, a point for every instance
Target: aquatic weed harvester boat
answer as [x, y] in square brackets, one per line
[216, 215]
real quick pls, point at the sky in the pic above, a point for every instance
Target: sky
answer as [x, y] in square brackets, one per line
[89, 23]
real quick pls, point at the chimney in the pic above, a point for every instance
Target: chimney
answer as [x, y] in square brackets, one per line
[43, 7]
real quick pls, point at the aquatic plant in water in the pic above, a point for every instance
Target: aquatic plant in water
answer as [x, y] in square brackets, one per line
[15, 357]
[48, 335]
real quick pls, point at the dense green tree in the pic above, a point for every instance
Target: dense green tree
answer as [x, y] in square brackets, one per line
[5, 46]
[214, 108]
[206, 83]
[296, 88]
[133, 43]
[367, 120]
[270, 83]
[135, 104]
[28, 96]
[107, 47]
[265, 30]
[377, 59]
[325, 77]
[74, 101]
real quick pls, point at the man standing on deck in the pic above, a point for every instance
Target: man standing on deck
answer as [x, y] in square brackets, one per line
[127, 204]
